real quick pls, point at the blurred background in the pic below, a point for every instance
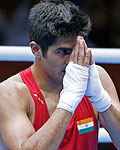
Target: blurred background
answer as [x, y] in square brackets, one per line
[105, 16]
[103, 13]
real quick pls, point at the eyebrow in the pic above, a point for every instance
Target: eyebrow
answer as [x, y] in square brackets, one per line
[64, 48]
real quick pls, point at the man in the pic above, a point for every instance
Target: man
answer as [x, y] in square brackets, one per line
[40, 110]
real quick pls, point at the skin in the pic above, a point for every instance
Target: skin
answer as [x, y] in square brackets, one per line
[17, 109]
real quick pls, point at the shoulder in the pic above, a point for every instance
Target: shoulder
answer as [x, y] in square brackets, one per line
[14, 93]
[13, 86]
[102, 72]
[108, 84]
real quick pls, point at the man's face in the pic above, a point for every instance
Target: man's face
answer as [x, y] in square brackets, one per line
[57, 58]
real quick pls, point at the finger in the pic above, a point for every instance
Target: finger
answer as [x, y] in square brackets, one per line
[75, 49]
[81, 52]
[72, 55]
[85, 45]
[91, 59]
[87, 58]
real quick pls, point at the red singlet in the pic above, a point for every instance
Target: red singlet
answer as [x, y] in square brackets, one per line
[82, 131]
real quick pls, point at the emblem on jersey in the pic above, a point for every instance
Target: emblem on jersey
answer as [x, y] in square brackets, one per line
[85, 125]
[39, 98]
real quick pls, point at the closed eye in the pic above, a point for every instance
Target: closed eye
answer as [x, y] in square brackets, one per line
[64, 51]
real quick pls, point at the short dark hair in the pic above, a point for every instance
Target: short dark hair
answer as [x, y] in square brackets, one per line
[52, 19]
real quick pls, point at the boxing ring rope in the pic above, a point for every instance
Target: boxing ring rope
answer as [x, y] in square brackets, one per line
[101, 55]
[14, 53]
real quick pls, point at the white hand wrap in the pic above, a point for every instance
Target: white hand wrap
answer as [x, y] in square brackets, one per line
[74, 86]
[95, 91]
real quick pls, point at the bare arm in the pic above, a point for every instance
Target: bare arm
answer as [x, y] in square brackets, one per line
[110, 119]
[15, 127]
[51, 134]
[18, 132]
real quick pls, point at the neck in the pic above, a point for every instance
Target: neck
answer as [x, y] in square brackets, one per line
[44, 82]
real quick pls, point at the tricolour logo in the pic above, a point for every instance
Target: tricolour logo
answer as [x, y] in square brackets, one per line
[85, 125]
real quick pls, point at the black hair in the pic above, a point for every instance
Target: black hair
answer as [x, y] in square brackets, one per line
[52, 19]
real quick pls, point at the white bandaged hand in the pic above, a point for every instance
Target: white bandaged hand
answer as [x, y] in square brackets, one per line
[74, 86]
[95, 91]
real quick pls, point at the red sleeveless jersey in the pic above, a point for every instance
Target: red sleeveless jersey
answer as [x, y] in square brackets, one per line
[82, 131]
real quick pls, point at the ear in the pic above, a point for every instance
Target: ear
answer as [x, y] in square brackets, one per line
[36, 50]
